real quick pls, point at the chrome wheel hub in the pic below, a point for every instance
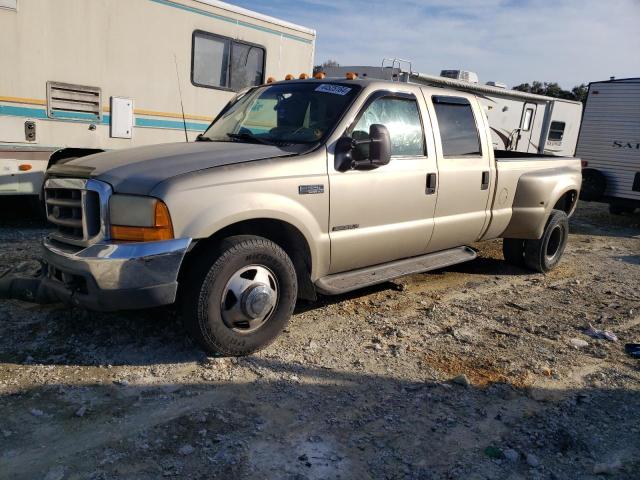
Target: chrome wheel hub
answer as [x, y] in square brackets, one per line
[249, 298]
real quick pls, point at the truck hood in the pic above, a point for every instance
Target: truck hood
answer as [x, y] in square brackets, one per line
[139, 170]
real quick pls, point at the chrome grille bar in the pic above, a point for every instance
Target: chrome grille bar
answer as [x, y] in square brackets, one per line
[77, 207]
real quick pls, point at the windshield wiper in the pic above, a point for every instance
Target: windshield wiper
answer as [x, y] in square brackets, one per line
[255, 139]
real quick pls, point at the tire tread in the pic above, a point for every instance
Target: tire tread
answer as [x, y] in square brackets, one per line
[201, 278]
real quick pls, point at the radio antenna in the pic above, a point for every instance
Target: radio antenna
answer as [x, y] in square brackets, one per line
[184, 121]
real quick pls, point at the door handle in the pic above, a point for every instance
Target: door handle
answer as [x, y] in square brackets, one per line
[485, 181]
[432, 182]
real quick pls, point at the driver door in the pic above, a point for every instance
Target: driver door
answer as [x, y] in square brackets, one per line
[384, 214]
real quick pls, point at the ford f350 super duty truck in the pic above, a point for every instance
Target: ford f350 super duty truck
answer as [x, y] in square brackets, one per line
[296, 188]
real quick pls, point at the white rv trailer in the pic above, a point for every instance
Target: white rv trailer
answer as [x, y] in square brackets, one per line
[609, 143]
[519, 121]
[79, 76]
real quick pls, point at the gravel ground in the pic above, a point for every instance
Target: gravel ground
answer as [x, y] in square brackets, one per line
[480, 371]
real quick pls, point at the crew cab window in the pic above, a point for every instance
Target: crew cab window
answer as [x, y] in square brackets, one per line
[458, 129]
[220, 62]
[402, 119]
[556, 131]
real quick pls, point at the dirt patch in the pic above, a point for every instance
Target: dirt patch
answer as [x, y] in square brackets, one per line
[366, 385]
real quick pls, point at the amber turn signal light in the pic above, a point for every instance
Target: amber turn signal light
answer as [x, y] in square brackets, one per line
[162, 229]
[25, 167]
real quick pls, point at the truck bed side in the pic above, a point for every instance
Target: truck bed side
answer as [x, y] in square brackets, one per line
[528, 187]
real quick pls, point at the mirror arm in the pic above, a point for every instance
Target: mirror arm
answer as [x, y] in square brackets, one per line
[361, 164]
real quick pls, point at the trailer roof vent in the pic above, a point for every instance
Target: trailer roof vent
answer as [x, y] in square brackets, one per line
[463, 75]
[497, 84]
[74, 102]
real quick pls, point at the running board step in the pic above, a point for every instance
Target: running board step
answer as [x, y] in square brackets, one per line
[365, 277]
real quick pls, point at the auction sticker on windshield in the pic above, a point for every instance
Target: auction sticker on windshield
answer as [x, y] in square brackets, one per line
[335, 89]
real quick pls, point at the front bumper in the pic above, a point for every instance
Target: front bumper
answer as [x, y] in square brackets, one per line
[114, 276]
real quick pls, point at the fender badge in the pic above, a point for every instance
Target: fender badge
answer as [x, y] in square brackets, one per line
[310, 189]
[341, 228]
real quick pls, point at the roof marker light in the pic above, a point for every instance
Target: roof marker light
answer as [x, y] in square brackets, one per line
[320, 76]
[271, 80]
[303, 76]
[289, 77]
[352, 76]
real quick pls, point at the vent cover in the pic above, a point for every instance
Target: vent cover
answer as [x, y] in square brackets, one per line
[74, 102]
[463, 75]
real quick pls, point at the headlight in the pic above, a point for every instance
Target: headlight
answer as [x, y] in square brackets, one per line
[139, 219]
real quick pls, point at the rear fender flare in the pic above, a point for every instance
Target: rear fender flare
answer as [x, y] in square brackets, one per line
[536, 195]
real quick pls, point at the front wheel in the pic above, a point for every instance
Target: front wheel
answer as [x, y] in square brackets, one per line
[545, 253]
[241, 297]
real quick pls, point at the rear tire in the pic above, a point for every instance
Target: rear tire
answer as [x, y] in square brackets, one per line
[594, 184]
[240, 297]
[513, 251]
[544, 254]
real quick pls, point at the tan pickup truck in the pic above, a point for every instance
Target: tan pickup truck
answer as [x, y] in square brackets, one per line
[297, 188]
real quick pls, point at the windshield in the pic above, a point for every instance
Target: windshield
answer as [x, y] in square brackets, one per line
[283, 114]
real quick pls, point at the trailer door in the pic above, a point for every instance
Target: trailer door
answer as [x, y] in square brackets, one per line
[526, 126]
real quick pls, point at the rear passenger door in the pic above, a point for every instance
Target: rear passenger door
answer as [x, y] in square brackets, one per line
[464, 171]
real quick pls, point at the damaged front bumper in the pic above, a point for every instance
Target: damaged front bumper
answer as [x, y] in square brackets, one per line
[112, 276]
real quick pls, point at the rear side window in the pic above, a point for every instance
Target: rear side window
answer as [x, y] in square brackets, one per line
[402, 119]
[556, 131]
[458, 129]
[220, 62]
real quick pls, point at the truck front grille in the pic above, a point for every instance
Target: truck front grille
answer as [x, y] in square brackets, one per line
[75, 209]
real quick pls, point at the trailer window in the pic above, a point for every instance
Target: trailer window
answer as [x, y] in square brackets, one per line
[526, 119]
[458, 129]
[210, 60]
[12, 4]
[247, 65]
[556, 131]
[220, 62]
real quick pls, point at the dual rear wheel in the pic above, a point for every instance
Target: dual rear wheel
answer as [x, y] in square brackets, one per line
[543, 254]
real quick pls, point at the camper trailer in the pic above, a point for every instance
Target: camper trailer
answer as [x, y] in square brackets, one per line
[81, 77]
[609, 143]
[519, 121]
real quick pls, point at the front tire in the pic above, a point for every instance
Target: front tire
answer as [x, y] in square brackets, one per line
[544, 254]
[239, 298]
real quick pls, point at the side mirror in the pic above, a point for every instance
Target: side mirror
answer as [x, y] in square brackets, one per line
[343, 157]
[379, 150]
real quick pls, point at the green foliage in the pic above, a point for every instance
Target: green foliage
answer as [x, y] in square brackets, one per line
[552, 89]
